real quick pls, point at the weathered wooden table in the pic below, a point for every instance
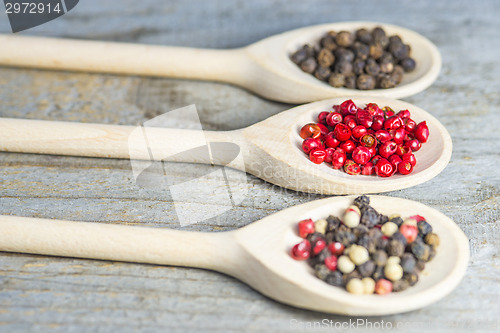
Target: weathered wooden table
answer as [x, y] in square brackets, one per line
[39, 293]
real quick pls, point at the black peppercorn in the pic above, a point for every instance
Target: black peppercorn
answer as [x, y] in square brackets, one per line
[379, 258]
[382, 218]
[367, 269]
[362, 201]
[372, 67]
[369, 216]
[379, 273]
[399, 236]
[333, 223]
[432, 239]
[335, 279]
[345, 237]
[400, 51]
[420, 250]
[361, 51]
[368, 243]
[321, 271]
[328, 42]
[379, 37]
[360, 230]
[398, 220]
[309, 65]
[387, 81]
[408, 64]
[381, 243]
[358, 66]
[299, 56]
[320, 257]
[400, 285]
[424, 228]
[344, 39]
[353, 275]
[343, 67]
[364, 36]
[432, 253]
[342, 54]
[322, 73]
[325, 58]
[412, 278]
[337, 80]
[395, 248]
[375, 233]
[350, 81]
[408, 262]
[420, 266]
[376, 51]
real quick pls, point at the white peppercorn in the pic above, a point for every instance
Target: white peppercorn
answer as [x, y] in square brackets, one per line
[355, 286]
[389, 228]
[345, 265]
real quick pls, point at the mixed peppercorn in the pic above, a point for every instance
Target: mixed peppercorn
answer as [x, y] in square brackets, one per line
[366, 141]
[361, 60]
[367, 252]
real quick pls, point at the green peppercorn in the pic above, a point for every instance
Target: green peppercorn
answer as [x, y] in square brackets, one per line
[395, 248]
[309, 65]
[379, 258]
[335, 278]
[337, 80]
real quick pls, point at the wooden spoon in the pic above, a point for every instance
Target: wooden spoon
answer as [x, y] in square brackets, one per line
[270, 149]
[263, 67]
[257, 254]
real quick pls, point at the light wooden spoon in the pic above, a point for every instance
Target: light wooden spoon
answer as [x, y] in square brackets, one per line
[270, 149]
[257, 254]
[263, 67]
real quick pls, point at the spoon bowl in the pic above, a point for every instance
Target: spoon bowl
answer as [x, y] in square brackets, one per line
[264, 67]
[269, 149]
[257, 254]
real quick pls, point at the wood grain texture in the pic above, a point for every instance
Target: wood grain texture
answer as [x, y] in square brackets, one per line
[39, 293]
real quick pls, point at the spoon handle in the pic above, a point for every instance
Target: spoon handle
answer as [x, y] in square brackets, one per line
[118, 141]
[121, 58]
[116, 242]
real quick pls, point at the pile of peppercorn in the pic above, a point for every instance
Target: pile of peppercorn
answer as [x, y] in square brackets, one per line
[367, 252]
[364, 60]
[369, 140]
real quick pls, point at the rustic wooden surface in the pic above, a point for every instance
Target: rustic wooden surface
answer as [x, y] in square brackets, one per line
[40, 293]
